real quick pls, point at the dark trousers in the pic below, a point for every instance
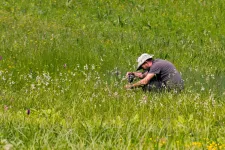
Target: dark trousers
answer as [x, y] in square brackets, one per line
[159, 86]
[154, 86]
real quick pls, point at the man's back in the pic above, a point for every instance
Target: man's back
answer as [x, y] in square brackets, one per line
[166, 72]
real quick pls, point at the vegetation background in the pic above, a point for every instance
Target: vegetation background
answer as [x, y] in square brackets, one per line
[62, 68]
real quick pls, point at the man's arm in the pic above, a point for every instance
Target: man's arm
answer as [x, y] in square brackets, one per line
[144, 81]
[138, 74]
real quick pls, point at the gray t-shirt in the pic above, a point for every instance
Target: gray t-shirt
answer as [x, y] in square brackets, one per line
[166, 72]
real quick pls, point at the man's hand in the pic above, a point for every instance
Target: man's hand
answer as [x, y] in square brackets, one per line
[129, 73]
[136, 74]
[141, 82]
[128, 86]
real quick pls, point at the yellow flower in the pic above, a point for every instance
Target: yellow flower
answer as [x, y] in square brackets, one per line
[197, 144]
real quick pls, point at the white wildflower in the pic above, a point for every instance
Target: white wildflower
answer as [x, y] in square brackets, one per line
[86, 67]
[12, 83]
[30, 76]
[93, 67]
[32, 86]
[202, 88]
[3, 78]
[8, 147]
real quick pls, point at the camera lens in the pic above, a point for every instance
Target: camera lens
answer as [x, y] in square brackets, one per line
[131, 78]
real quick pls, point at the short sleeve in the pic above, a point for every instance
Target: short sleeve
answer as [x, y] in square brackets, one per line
[155, 69]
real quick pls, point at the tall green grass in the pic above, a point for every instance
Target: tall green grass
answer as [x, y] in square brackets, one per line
[62, 74]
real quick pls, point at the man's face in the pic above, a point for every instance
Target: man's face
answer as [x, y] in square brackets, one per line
[146, 65]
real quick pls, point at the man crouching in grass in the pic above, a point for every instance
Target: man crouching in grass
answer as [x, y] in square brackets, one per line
[159, 75]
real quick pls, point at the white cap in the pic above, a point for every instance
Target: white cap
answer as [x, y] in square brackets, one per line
[142, 59]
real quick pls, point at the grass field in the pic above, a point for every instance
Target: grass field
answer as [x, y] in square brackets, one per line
[63, 66]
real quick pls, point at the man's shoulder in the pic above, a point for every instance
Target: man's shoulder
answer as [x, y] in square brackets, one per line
[161, 63]
[157, 61]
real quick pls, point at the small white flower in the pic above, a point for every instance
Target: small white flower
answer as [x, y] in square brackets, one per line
[144, 100]
[8, 147]
[32, 86]
[93, 67]
[30, 76]
[73, 74]
[86, 67]
[3, 78]
[202, 88]
[12, 82]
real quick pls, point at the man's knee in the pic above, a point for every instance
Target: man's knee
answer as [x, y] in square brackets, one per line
[154, 86]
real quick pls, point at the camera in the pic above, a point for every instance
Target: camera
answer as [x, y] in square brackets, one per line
[131, 78]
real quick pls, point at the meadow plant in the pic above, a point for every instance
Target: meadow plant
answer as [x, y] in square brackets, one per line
[63, 66]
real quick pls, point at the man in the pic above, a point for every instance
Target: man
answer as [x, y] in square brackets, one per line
[158, 75]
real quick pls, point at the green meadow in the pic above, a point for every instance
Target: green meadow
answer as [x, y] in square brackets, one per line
[63, 65]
